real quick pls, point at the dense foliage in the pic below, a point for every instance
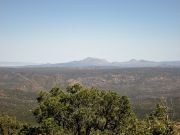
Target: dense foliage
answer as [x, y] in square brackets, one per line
[9, 125]
[81, 110]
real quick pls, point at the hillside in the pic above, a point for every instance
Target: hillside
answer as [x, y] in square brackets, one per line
[143, 85]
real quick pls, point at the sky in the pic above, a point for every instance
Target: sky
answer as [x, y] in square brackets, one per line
[53, 31]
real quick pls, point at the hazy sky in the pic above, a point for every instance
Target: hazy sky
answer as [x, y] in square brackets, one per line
[64, 30]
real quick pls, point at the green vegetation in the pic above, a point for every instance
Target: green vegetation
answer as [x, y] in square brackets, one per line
[82, 110]
[18, 103]
[143, 86]
[9, 125]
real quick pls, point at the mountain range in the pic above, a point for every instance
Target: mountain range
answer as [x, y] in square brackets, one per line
[95, 62]
[99, 63]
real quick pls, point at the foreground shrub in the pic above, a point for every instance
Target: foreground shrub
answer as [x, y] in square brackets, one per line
[9, 125]
[80, 110]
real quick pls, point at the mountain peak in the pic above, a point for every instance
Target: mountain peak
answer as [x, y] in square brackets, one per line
[94, 59]
[133, 60]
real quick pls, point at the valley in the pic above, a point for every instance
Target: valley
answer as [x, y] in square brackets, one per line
[19, 86]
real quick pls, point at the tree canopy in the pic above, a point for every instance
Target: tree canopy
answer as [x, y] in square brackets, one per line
[82, 110]
[9, 125]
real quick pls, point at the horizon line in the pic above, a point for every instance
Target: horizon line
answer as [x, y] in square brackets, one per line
[132, 59]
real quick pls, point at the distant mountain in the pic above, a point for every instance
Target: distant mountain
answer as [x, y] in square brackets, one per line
[137, 63]
[87, 62]
[102, 63]
[90, 62]
[145, 63]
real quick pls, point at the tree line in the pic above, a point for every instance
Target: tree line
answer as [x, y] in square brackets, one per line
[80, 110]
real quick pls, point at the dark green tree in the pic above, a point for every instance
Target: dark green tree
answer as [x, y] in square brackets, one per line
[9, 125]
[158, 122]
[83, 111]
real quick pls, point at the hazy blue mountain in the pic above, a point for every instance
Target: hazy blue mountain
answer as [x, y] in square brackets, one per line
[95, 62]
[88, 62]
[145, 63]
[100, 63]
[137, 63]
